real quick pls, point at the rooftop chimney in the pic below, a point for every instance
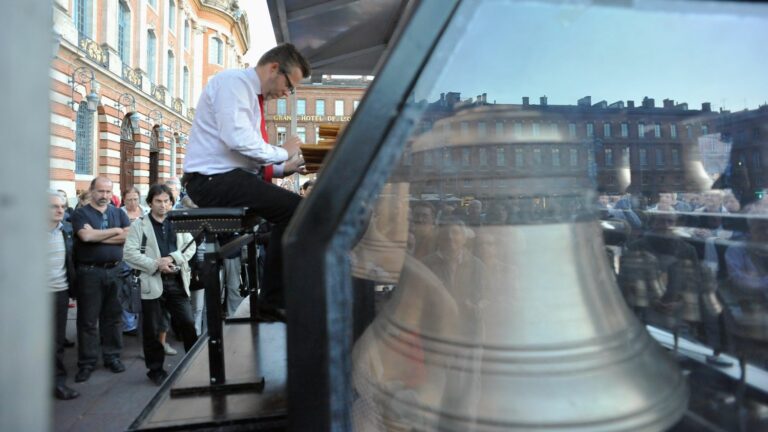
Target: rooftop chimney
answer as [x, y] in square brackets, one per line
[706, 107]
[682, 106]
[585, 101]
[543, 101]
[630, 104]
[451, 98]
[485, 97]
[669, 103]
[648, 102]
[525, 101]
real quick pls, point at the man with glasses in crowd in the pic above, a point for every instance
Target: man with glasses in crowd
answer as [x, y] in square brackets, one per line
[229, 162]
[100, 231]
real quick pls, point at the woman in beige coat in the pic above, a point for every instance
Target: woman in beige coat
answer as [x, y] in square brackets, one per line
[165, 276]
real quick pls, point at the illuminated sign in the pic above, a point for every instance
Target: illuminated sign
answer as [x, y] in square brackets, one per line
[316, 119]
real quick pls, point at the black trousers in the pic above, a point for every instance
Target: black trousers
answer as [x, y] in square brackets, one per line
[99, 315]
[60, 309]
[239, 188]
[175, 301]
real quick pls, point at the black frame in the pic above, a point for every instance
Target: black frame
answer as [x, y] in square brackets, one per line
[319, 295]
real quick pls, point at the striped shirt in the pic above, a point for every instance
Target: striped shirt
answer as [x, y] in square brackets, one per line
[57, 271]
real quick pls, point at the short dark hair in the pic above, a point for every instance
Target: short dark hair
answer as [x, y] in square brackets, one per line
[157, 190]
[288, 57]
[130, 190]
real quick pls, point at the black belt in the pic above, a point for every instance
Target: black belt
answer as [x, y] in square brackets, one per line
[190, 176]
[107, 265]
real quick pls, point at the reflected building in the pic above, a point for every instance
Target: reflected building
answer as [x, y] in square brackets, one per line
[498, 143]
[745, 132]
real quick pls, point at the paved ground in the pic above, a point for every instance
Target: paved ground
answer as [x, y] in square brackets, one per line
[108, 401]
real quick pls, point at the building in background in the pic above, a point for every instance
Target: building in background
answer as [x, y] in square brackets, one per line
[125, 79]
[746, 134]
[333, 100]
[478, 149]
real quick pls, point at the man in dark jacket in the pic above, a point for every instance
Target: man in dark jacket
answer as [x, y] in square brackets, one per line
[61, 274]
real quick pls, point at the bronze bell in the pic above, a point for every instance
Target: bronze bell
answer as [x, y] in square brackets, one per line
[535, 336]
[639, 279]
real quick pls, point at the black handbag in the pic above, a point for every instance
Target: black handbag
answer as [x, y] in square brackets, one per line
[129, 295]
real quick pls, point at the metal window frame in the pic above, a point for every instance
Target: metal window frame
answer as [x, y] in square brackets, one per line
[124, 32]
[319, 327]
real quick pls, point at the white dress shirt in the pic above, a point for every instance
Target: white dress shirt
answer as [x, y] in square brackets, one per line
[226, 132]
[57, 260]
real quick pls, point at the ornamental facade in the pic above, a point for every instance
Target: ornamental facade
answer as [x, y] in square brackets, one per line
[125, 79]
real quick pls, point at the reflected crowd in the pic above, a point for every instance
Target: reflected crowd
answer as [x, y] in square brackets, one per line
[693, 263]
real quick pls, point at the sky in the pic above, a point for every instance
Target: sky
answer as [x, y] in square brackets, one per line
[262, 35]
[514, 49]
[521, 48]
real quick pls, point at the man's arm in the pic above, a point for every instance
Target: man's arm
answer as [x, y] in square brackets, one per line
[118, 239]
[90, 235]
[293, 165]
[132, 251]
[232, 108]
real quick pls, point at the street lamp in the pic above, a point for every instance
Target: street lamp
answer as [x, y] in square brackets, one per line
[157, 116]
[80, 77]
[178, 127]
[128, 101]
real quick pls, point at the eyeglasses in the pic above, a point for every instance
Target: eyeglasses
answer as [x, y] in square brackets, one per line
[288, 80]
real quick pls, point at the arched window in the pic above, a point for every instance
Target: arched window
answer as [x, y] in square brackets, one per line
[84, 140]
[124, 33]
[185, 83]
[152, 56]
[216, 51]
[171, 75]
[172, 15]
[82, 17]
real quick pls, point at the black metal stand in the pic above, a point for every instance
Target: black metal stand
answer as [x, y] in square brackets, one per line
[209, 274]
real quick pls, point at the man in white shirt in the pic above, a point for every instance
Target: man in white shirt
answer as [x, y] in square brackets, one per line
[61, 274]
[229, 162]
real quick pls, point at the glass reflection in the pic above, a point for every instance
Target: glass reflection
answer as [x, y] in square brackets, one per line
[533, 241]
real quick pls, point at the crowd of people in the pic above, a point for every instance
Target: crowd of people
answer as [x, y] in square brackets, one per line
[97, 247]
[701, 252]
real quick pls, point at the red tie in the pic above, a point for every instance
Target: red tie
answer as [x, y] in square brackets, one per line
[268, 169]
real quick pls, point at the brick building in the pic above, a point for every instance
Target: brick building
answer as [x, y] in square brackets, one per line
[124, 80]
[333, 100]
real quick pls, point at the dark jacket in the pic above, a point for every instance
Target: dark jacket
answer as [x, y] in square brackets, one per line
[69, 240]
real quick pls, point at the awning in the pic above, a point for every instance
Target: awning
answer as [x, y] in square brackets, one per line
[342, 37]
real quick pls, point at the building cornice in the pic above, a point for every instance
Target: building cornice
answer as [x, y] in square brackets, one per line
[231, 12]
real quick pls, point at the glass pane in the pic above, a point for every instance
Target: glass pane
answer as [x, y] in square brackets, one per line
[516, 269]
